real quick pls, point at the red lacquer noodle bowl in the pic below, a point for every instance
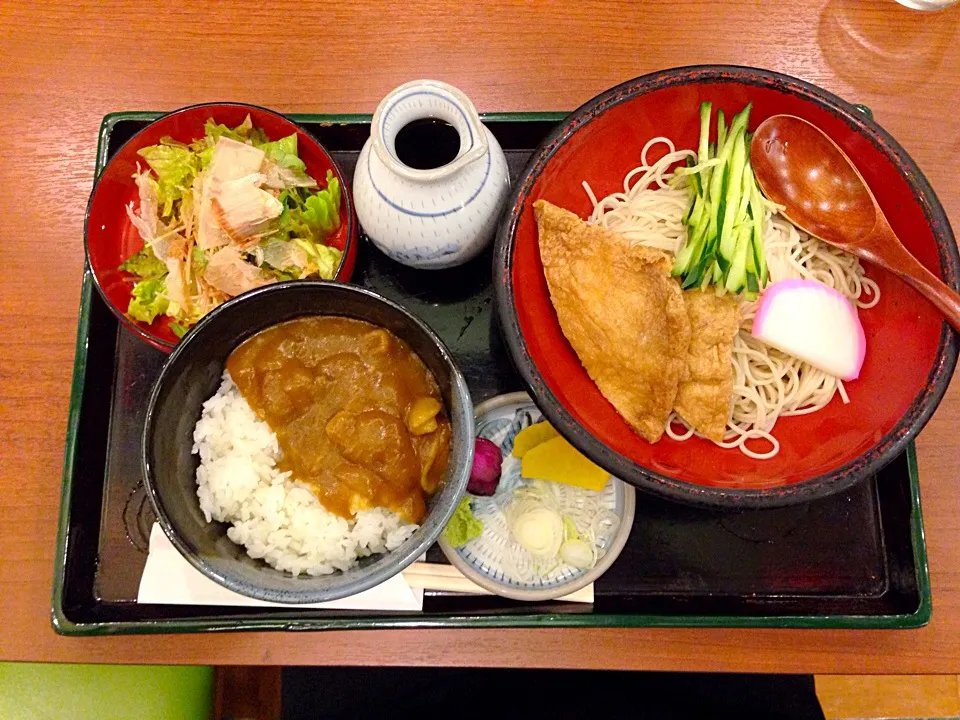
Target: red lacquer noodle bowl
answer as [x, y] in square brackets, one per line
[911, 352]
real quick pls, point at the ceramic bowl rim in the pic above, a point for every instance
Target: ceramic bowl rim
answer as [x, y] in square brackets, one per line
[893, 443]
[365, 580]
[557, 591]
[346, 192]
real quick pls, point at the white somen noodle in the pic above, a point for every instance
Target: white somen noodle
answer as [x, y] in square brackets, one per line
[768, 384]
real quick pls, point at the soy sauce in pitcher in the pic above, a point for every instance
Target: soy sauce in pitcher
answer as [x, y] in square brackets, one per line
[427, 143]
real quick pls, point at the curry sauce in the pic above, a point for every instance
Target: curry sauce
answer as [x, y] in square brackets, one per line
[358, 416]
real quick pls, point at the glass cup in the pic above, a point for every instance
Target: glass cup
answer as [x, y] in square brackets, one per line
[927, 4]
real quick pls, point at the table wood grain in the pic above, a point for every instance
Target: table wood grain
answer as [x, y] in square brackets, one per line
[63, 67]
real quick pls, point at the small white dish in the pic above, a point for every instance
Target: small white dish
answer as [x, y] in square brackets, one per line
[483, 559]
[430, 218]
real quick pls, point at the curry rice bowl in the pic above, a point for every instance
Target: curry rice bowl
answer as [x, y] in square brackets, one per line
[274, 517]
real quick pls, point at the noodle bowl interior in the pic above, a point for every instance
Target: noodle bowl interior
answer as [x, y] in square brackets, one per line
[767, 383]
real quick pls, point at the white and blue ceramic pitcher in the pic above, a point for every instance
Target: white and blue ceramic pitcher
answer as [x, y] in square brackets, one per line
[435, 217]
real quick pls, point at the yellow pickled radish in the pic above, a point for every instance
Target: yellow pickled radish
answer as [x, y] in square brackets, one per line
[559, 461]
[531, 436]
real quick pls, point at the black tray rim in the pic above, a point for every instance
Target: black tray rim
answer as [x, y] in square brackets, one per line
[297, 619]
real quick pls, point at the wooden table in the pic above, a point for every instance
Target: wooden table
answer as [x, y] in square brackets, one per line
[62, 68]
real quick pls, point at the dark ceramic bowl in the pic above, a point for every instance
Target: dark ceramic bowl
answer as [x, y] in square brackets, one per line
[192, 374]
[911, 352]
[110, 237]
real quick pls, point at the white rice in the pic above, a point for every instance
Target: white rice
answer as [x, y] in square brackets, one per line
[274, 517]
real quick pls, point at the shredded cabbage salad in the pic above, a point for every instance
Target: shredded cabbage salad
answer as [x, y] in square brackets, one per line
[224, 214]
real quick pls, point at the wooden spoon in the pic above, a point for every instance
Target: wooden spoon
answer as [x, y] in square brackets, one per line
[799, 167]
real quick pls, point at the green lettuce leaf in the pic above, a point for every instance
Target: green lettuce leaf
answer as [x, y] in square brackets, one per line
[327, 260]
[292, 197]
[175, 165]
[198, 261]
[144, 264]
[284, 152]
[178, 329]
[323, 259]
[204, 155]
[283, 255]
[214, 131]
[294, 274]
[146, 302]
[463, 525]
[322, 209]
[291, 221]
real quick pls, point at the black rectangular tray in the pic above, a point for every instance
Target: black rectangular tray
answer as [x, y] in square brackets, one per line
[853, 560]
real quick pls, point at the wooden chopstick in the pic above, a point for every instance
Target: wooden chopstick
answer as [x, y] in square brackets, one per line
[437, 576]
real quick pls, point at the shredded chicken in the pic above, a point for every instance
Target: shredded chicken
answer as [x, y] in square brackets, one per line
[243, 210]
[175, 288]
[227, 272]
[277, 177]
[147, 220]
[231, 160]
[207, 297]
[168, 243]
[282, 254]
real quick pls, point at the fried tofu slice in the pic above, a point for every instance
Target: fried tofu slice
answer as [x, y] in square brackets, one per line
[703, 399]
[622, 313]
